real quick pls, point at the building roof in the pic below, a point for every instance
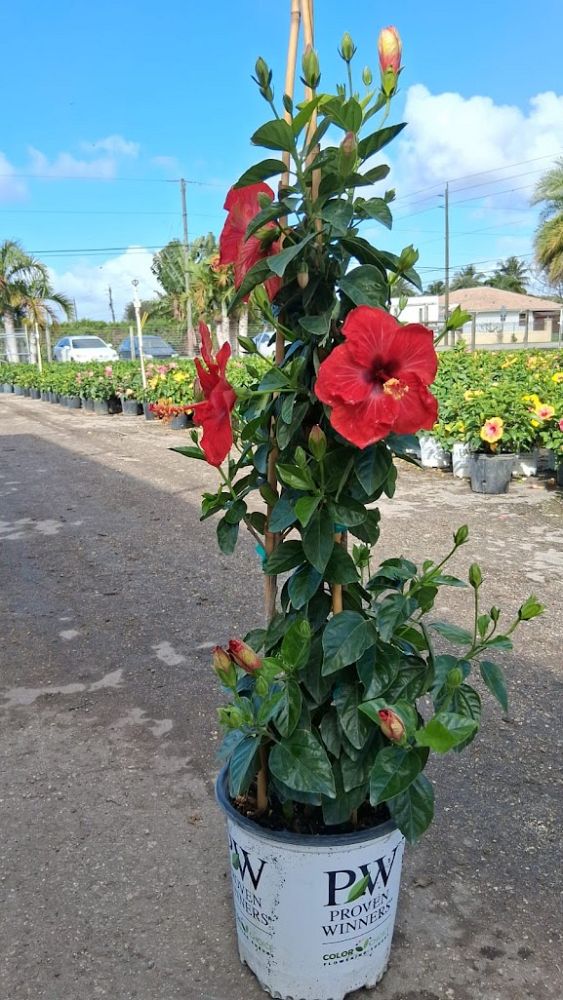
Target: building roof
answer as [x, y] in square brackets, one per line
[485, 299]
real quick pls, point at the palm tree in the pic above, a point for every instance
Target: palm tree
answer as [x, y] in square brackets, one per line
[17, 270]
[435, 288]
[511, 275]
[549, 234]
[40, 305]
[467, 277]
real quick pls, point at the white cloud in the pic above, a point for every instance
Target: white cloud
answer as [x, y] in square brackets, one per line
[65, 165]
[115, 145]
[87, 282]
[12, 188]
[169, 163]
[450, 136]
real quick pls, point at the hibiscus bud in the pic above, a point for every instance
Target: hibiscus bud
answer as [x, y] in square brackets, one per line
[311, 68]
[454, 678]
[475, 576]
[224, 667]
[392, 726]
[264, 78]
[244, 656]
[317, 443]
[347, 48]
[367, 76]
[348, 153]
[303, 276]
[461, 535]
[389, 47]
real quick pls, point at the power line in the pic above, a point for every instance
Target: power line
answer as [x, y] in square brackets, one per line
[106, 180]
[479, 173]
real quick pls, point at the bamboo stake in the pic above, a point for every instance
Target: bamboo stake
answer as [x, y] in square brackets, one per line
[309, 40]
[336, 588]
[270, 539]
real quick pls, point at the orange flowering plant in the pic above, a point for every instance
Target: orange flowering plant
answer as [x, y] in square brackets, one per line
[328, 721]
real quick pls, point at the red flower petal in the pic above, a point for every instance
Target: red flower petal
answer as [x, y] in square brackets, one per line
[367, 422]
[418, 410]
[341, 379]
[214, 415]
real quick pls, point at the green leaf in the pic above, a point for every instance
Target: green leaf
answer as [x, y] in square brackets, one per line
[368, 532]
[347, 511]
[306, 507]
[413, 809]
[459, 636]
[304, 115]
[377, 669]
[295, 476]
[276, 134]
[338, 213]
[243, 765]
[393, 611]
[258, 273]
[283, 514]
[347, 698]
[286, 556]
[279, 261]
[301, 762]
[296, 644]
[500, 642]
[394, 770]
[274, 379]
[260, 171]
[227, 534]
[372, 467]
[331, 733]
[191, 453]
[302, 585]
[377, 140]
[374, 208]
[340, 568]
[289, 710]
[340, 809]
[318, 539]
[493, 676]
[346, 636]
[445, 731]
[365, 286]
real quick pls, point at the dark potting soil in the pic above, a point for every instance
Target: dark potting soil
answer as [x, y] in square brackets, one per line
[308, 819]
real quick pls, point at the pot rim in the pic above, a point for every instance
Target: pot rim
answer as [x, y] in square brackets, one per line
[314, 841]
[479, 455]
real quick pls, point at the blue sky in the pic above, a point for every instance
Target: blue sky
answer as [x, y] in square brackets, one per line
[115, 101]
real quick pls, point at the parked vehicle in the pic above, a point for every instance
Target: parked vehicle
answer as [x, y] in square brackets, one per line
[265, 342]
[153, 347]
[83, 349]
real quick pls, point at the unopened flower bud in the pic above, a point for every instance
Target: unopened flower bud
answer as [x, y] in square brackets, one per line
[224, 667]
[454, 678]
[392, 726]
[263, 74]
[303, 276]
[348, 154]
[367, 76]
[475, 576]
[317, 443]
[244, 656]
[311, 68]
[347, 47]
[389, 47]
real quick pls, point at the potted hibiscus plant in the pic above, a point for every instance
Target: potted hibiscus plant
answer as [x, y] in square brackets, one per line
[337, 700]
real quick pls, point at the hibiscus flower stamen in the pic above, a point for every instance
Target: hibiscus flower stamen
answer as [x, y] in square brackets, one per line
[395, 388]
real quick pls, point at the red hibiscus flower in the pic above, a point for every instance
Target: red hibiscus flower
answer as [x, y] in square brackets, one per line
[242, 205]
[377, 381]
[214, 412]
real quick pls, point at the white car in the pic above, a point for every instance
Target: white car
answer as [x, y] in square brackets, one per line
[83, 349]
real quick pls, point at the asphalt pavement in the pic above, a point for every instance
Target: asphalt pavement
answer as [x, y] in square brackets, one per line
[114, 878]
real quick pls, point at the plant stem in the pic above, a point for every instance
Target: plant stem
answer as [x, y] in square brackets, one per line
[262, 782]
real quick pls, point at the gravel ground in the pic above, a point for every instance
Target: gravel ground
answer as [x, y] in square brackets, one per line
[114, 877]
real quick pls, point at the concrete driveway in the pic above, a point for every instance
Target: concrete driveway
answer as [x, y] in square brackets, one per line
[114, 876]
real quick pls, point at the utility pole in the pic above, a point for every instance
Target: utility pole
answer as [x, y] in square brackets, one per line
[111, 309]
[447, 258]
[191, 345]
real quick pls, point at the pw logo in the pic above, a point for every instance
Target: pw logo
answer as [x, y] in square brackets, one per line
[242, 863]
[375, 872]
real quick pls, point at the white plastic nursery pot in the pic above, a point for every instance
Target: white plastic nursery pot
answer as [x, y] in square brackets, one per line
[432, 455]
[491, 473]
[296, 928]
[461, 460]
[526, 464]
